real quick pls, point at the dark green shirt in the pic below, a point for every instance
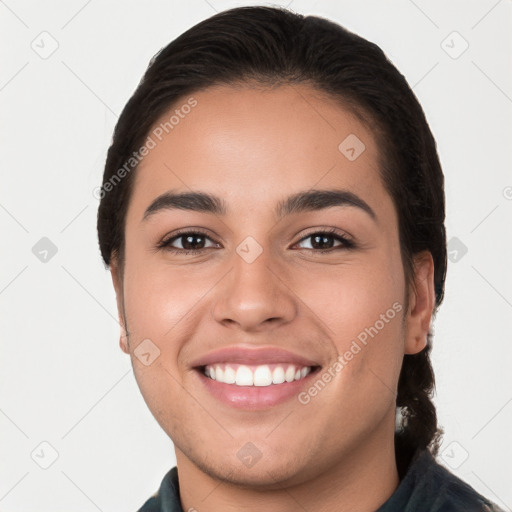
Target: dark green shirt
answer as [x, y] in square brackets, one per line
[426, 487]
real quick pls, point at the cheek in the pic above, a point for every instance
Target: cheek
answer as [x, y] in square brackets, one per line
[160, 303]
[159, 298]
[351, 297]
[362, 307]
[163, 304]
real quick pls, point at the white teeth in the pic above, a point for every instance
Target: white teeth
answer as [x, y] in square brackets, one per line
[278, 375]
[262, 375]
[244, 376]
[290, 374]
[229, 375]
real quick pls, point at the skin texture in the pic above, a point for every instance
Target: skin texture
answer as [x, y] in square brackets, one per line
[254, 147]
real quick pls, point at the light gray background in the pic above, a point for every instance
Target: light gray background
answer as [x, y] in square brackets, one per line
[65, 381]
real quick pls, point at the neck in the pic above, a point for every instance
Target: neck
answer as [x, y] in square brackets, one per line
[361, 481]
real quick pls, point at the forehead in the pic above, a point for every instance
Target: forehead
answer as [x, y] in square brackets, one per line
[252, 145]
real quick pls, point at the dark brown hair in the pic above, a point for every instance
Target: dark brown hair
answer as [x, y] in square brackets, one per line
[273, 46]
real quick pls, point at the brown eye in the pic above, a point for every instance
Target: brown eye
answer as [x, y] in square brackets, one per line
[325, 240]
[190, 242]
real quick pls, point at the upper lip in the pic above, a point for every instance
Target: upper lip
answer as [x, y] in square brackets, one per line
[243, 355]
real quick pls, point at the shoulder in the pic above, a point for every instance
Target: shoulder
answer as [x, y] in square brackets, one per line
[435, 489]
[167, 498]
[455, 494]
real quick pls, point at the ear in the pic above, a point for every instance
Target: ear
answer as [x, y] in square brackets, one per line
[117, 280]
[422, 299]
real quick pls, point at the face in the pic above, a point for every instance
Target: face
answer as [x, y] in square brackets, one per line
[296, 308]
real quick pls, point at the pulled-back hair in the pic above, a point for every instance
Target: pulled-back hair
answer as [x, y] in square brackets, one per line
[271, 47]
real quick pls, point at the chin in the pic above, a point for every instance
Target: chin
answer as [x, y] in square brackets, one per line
[264, 475]
[250, 467]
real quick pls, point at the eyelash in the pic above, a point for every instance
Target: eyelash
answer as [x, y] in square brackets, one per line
[166, 243]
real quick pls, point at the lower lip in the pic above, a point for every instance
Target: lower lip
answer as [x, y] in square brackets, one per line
[255, 397]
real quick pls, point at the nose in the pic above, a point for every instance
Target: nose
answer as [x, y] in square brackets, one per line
[254, 296]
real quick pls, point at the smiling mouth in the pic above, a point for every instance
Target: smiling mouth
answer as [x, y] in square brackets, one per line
[245, 375]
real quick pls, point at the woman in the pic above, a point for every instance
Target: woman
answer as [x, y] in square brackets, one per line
[272, 213]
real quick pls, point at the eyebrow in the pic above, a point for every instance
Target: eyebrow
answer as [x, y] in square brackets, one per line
[310, 200]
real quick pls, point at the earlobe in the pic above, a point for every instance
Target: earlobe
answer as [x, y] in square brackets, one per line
[123, 344]
[416, 345]
[422, 303]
